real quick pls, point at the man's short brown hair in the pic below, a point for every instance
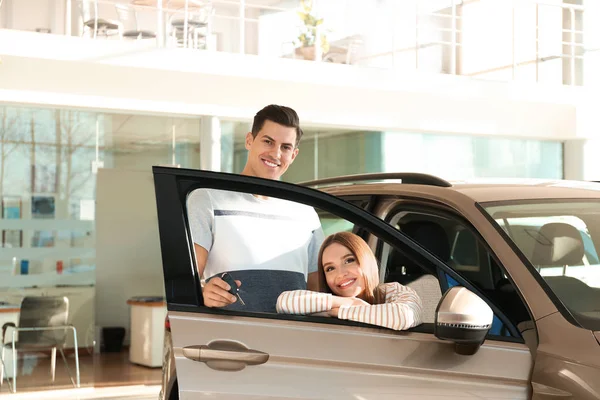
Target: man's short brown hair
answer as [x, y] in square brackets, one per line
[281, 115]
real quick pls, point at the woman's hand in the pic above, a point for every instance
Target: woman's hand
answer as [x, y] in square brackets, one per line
[347, 301]
[358, 302]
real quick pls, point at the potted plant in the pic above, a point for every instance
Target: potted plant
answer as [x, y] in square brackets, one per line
[309, 32]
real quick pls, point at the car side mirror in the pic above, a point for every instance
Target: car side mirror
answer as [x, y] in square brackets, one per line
[463, 318]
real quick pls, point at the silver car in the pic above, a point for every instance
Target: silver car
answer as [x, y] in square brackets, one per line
[509, 274]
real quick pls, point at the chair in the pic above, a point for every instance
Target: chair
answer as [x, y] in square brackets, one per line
[344, 51]
[42, 326]
[128, 19]
[189, 28]
[92, 21]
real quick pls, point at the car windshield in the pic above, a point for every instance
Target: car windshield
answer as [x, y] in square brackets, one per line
[561, 238]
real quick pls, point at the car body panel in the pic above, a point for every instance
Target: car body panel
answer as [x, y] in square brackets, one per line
[567, 362]
[481, 192]
[311, 360]
[168, 368]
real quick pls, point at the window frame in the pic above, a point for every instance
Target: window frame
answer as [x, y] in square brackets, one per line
[590, 323]
[182, 283]
[425, 206]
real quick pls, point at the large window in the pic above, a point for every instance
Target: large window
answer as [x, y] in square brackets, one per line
[465, 157]
[330, 152]
[49, 167]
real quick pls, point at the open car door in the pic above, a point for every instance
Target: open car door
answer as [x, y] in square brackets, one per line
[224, 354]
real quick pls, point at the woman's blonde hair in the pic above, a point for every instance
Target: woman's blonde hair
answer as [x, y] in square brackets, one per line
[365, 259]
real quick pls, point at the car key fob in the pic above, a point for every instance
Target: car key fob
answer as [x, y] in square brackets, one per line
[233, 287]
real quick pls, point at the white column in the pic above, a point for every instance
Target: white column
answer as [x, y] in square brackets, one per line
[68, 17]
[160, 24]
[573, 159]
[581, 160]
[210, 143]
[242, 22]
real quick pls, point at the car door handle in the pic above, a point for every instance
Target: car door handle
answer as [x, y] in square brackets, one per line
[225, 355]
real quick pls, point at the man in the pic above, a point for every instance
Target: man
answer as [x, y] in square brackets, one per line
[266, 244]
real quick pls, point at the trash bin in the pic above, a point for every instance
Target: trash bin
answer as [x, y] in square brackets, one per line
[147, 330]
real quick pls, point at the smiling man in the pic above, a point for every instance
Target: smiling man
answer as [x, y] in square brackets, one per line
[266, 244]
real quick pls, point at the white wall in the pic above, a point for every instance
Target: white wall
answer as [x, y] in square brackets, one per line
[128, 257]
[30, 15]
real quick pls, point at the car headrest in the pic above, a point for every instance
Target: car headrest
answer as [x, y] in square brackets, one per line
[429, 235]
[558, 244]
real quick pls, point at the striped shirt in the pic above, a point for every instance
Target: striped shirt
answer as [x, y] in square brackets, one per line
[402, 308]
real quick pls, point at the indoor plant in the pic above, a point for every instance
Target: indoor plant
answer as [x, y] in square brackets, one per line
[310, 31]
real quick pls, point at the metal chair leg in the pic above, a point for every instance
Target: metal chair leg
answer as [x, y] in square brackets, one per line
[76, 345]
[76, 383]
[62, 353]
[2, 366]
[14, 355]
[53, 364]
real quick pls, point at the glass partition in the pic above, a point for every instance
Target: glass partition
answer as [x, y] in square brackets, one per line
[329, 152]
[50, 164]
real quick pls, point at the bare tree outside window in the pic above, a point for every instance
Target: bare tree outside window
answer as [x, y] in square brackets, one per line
[11, 137]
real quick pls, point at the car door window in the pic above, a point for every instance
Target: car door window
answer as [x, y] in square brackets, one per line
[343, 216]
[455, 243]
[332, 223]
[239, 233]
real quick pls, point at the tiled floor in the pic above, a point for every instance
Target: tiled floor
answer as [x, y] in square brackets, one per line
[104, 370]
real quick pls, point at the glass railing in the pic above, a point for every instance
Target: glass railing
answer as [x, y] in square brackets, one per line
[535, 41]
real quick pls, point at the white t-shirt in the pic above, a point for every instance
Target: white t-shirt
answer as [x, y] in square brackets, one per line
[268, 244]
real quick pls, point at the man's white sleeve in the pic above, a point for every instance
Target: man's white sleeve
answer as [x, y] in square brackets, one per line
[201, 217]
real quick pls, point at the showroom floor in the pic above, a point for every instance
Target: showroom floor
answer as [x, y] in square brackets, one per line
[106, 375]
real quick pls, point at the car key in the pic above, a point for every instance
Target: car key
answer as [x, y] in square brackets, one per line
[234, 290]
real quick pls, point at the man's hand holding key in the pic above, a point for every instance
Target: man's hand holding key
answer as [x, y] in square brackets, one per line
[218, 293]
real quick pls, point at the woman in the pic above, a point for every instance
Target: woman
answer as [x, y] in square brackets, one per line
[349, 288]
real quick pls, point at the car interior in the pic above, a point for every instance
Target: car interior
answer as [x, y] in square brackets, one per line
[563, 247]
[459, 248]
[565, 255]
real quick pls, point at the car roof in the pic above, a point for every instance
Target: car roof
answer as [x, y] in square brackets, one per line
[527, 189]
[479, 190]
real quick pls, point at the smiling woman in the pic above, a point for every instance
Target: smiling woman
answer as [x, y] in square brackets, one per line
[348, 288]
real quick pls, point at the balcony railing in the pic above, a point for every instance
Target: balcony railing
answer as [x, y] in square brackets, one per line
[538, 41]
